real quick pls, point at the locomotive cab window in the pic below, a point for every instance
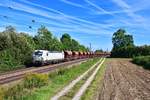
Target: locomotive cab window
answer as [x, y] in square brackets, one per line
[38, 53]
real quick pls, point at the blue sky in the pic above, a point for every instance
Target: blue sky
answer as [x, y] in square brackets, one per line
[88, 21]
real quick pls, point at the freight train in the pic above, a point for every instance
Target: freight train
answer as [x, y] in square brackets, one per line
[43, 57]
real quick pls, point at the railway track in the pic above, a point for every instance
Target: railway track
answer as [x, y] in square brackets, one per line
[13, 76]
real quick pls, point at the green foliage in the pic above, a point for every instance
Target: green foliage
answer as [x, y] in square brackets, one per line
[15, 49]
[142, 60]
[2, 93]
[20, 90]
[131, 51]
[34, 80]
[121, 44]
[14, 93]
[71, 44]
[99, 51]
[56, 45]
[43, 39]
[120, 39]
[66, 41]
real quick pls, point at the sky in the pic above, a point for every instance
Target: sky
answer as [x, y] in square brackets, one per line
[88, 21]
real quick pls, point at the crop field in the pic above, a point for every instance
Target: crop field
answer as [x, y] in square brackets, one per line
[125, 81]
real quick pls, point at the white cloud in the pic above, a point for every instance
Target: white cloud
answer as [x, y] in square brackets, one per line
[97, 7]
[128, 9]
[73, 4]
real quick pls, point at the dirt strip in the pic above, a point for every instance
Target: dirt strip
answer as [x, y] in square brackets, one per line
[125, 81]
[68, 87]
[87, 83]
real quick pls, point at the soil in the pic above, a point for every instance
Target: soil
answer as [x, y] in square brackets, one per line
[124, 80]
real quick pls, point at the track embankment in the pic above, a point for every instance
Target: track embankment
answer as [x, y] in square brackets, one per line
[125, 81]
[16, 75]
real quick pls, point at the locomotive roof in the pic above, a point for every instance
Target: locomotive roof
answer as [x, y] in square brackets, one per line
[48, 51]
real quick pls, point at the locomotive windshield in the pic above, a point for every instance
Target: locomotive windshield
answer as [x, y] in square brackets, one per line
[38, 53]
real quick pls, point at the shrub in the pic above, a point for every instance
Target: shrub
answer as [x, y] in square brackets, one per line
[142, 60]
[58, 72]
[15, 92]
[2, 93]
[131, 51]
[34, 80]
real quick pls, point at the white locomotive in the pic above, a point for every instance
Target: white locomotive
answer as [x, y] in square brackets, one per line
[46, 57]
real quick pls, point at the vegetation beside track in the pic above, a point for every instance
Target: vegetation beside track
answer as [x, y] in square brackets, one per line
[144, 61]
[56, 81]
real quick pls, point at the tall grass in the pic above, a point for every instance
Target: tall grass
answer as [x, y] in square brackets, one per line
[29, 83]
[34, 80]
[144, 61]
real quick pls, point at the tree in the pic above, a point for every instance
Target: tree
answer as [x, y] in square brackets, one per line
[56, 45]
[44, 38]
[122, 44]
[83, 48]
[99, 51]
[120, 39]
[10, 29]
[5, 41]
[66, 41]
[74, 45]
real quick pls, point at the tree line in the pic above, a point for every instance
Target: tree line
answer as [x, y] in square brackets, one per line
[123, 46]
[16, 48]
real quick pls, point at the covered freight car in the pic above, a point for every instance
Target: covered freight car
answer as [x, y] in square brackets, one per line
[75, 55]
[68, 55]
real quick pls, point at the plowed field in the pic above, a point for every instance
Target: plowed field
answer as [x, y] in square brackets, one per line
[125, 81]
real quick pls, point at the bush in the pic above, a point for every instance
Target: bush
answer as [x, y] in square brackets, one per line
[34, 80]
[143, 61]
[131, 51]
[58, 72]
[2, 93]
[15, 93]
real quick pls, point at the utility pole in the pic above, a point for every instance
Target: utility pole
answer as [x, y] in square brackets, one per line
[90, 47]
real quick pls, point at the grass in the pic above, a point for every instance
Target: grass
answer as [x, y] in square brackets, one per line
[144, 61]
[94, 88]
[58, 81]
